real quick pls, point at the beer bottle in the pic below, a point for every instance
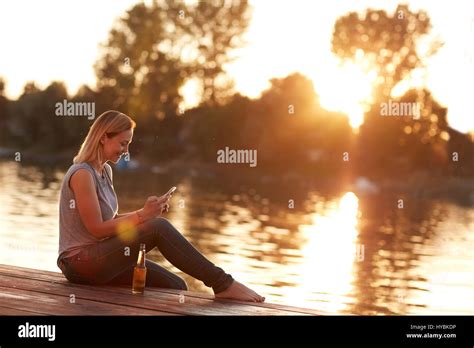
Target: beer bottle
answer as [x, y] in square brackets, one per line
[139, 273]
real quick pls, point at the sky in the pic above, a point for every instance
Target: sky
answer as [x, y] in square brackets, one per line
[53, 40]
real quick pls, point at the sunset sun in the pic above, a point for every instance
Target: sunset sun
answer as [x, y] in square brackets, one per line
[347, 88]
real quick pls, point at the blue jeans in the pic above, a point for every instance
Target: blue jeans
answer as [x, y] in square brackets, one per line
[108, 263]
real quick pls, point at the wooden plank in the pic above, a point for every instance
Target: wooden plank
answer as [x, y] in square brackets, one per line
[220, 307]
[153, 299]
[15, 311]
[290, 310]
[226, 307]
[294, 310]
[80, 292]
[52, 304]
[17, 269]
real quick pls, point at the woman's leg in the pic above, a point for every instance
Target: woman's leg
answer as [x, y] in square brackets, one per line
[106, 260]
[183, 255]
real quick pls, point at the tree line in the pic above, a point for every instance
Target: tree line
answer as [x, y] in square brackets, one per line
[155, 48]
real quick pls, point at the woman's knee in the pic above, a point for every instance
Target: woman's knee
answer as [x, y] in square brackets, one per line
[163, 227]
[159, 223]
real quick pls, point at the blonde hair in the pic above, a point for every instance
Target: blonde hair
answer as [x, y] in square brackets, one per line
[110, 123]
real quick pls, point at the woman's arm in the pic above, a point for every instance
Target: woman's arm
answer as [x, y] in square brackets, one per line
[125, 214]
[88, 207]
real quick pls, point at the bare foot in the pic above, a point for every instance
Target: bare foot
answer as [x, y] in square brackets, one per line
[238, 291]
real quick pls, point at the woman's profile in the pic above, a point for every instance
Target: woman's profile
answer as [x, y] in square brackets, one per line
[91, 244]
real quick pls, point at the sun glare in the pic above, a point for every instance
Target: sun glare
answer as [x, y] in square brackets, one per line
[347, 88]
[330, 254]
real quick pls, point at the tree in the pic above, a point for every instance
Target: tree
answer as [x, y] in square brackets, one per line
[215, 29]
[390, 45]
[25, 123]
[284, 125]
[34, 121]
[387, 43]
[293, 123]
[4, 134]
[154, 49]
[136, 73]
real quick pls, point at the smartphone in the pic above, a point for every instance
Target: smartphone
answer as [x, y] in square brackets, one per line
[171, 190]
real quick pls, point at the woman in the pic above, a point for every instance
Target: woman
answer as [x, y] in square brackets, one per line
[93, 248]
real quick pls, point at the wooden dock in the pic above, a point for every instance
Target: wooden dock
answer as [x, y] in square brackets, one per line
[25, 291]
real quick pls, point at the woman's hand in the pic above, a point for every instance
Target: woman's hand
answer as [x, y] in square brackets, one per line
[165, 206]
[154, 206]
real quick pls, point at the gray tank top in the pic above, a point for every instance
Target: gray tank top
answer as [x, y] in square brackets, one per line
[73, 235]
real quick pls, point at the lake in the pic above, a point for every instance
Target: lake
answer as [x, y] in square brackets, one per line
[296, 242]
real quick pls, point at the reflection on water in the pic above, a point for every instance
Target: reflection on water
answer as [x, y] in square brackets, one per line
[328, 254]
[28, 216]
[328, 250]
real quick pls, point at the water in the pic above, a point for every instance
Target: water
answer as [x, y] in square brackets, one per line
[311, 246]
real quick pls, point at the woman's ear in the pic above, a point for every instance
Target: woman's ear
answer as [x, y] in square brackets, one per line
[102, 139]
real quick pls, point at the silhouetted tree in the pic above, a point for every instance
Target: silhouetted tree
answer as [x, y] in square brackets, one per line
[34, 120]
[389, 43]
[294, 125]
[286, 125]
[154, 49]
[215, 28]
[4, 133]
[135, 73]
[24, 122]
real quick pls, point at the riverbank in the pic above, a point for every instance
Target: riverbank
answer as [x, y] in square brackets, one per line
[420, 184]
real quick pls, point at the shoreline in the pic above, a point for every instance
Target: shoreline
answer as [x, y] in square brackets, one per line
[420, 184]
